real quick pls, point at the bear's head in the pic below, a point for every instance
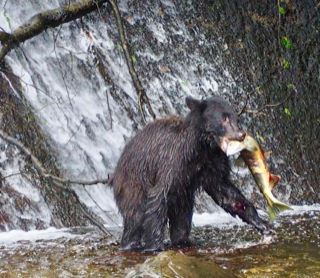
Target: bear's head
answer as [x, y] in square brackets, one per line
[217, 119]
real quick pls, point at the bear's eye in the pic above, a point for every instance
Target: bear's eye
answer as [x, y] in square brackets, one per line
[225, 118]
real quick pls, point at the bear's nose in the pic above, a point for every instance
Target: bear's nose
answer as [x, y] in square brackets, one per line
[241, 135]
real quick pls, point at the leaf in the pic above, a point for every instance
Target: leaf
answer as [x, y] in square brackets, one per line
[118, 47]
[285, 64]
[318, 121]
[282, 11]
[133, 58]
[286, 42]
[290, 86]
[259, 90]
[260, 138]
[7, 18]
[287, 111]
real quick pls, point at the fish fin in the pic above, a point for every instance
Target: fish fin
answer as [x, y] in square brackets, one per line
[276, 208]
[273, 180]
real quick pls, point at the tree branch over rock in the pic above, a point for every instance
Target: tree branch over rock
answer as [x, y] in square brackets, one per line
[37, 164]
[44, 20]
[57, 181]
[143, 99]
[266, 106]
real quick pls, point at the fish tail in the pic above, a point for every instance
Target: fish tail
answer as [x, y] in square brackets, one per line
[276, 208]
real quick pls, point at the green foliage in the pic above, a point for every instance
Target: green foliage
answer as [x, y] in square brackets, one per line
[259, 90]
[282, 11]
[260, 137]
[286, 42]
[285, 64]
[118, 47]
[318, 121]
[7, 18]
[290, 86]
[184, 83]
[287, 111]
[133, 58]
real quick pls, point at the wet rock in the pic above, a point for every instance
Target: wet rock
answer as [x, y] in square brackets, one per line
[175, 264]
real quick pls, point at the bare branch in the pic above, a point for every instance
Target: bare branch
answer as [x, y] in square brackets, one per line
[25, 150]
[37, 164]
[109, 109]
[45, 20]
[11, 175]
[246, 103]
[82, 182]
[143, 99]
[270, 105]
[84, 209]
[63, 184]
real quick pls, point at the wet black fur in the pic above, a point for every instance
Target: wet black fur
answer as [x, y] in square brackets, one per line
[163, 166]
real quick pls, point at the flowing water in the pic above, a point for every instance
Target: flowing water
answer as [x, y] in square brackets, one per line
[82, 252]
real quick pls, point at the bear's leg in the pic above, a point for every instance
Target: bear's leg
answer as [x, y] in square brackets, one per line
[155, 220]
[180, 212]
[226, 195]
[131, 237]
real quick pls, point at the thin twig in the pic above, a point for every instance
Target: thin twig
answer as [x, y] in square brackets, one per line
[142, 97]
[246, 103]
[83, 208]
[109, 110]
[25, 150]
[5, 3]
[279, 25]
[271, 105]
[96, 203]
[63, 184]
[63, 74]
[5, 72]
[11, 175]
[37, 164]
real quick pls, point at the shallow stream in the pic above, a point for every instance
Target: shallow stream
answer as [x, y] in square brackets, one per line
[83, 252]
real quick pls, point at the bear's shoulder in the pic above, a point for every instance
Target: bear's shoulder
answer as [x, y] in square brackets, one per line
[168, 123]
[171, 120]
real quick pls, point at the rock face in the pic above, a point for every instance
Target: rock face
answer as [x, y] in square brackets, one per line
[273, 52]
[174, 264]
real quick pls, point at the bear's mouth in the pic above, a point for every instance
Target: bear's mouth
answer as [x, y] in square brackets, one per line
[224, 142]
[231, 146]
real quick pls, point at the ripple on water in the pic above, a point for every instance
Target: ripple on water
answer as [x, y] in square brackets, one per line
[83, 252]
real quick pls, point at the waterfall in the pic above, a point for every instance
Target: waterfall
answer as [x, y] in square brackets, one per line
[76, 80]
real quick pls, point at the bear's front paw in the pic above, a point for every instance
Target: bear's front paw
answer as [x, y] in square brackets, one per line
[132, 246]
[153, 248]
[182, 243]
[261, 226]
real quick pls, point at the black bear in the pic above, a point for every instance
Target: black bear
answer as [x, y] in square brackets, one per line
[163, 166]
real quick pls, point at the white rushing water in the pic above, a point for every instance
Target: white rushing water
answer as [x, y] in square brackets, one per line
[85, 123]
[220, 220]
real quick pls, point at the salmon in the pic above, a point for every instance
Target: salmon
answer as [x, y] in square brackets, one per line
[254, 157]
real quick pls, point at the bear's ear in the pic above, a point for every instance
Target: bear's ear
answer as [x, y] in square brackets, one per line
[194, 104]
